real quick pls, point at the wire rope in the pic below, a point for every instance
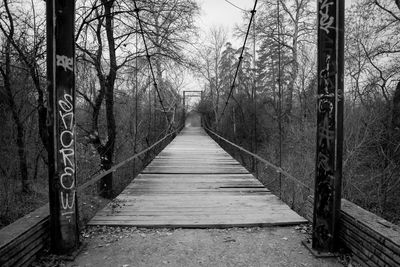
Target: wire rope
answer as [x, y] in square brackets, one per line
[279, 98]
[137, 10]
[232, 4]
[254, 95]
[253, 11]
[136, 98]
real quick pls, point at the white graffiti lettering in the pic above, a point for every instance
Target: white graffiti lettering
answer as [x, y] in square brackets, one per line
[325, 105]
[65, 135]
[325, 134]
[65, 200]
[324, 74]
[67, 157]
[325, 21]
[65, 62]
[68, 175]
[67, 119]
[66, 104]
[67, 153]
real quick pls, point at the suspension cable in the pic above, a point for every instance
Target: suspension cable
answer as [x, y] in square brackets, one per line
[254, 100]
[150, 115]
[149, 60]
[136, 89]
[115, 167]
[232, 4]
[266, 162]
[253, 11]
[136, 97]
[280, 98]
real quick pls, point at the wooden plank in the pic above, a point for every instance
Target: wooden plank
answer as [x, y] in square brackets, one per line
[362, 252]
[359, 261]
[376, 226]
[193, 182]
[11, 232]
[29, 251]
[373, 240]
[380, 246]
[20, 240]
[375, 248]
[183, 224]
[16, 249]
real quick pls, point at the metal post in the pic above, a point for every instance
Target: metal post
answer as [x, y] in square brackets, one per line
[61, 121]
[327, 199]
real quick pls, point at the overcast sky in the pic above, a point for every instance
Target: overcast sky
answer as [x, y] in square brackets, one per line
[221, 13]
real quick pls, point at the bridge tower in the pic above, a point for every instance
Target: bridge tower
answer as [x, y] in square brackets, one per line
[64, 232]
[328, 179]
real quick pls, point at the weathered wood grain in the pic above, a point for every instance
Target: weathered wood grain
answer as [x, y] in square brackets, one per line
[372, 240]
[21, 240]
[194, 183]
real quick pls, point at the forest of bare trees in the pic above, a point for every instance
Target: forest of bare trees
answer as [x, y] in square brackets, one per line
[118, 109]
[272, 110]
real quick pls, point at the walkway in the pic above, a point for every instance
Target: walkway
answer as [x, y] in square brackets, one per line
[194, 183]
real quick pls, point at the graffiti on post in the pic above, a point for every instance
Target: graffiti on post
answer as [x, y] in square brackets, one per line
[63, 196]
[67, 152]
[325, 21]
[328, 171]
[65, 62]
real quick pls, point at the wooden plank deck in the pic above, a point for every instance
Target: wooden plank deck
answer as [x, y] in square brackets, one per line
[194, 183]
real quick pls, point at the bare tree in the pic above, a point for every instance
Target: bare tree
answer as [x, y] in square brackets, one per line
[106, 36]
[22, 51]
[297, 23]
[210, 66]
[31, 53]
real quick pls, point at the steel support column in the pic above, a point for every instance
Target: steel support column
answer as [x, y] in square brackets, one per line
[64, 232]
[327, 199]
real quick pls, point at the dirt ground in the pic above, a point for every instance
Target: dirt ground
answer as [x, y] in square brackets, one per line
[126, 247]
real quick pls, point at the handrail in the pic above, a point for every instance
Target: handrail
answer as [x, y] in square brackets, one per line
[278, 169]
[115, 167]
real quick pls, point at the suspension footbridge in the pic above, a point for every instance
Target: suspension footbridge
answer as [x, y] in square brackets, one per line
[194, 183]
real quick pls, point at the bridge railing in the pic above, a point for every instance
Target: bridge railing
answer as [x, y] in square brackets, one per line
[124, 162]
[290, 189]
[123, 173]
[372, 240]
[22, 240]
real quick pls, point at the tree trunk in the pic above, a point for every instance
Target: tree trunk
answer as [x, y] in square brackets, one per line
[20, 139]
[294, 74]
[23, 167]
[30, 62]
[396, 108]
[106, 188]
